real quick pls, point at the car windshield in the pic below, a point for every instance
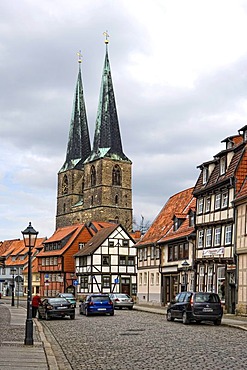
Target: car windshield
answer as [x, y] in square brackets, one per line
[57, 300]
[67, 295]
[100, 299]
[207, 298]
[122, 296]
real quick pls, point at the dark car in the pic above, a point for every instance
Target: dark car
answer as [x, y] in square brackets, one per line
[121, 300]
[56, 307]
[195, 306]
[69, 296]
[97, 304]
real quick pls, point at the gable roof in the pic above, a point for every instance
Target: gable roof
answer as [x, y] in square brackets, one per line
[180, 203]
[96, 241]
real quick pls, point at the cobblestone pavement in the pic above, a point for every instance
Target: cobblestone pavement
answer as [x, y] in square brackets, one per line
[139, 340]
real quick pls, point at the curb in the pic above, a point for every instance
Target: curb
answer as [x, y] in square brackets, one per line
[51, 359]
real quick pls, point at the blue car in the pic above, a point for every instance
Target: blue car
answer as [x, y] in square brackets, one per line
[96, 304]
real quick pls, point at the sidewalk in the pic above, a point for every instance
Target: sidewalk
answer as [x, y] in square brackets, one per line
[14, 354]
[239, 322]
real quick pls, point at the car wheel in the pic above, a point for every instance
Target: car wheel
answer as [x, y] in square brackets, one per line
[86, 312]
[72, 317]
[185, 318]
[217, 322]
[169, 316]
[112, 313]
[47, 316]
[81, 311]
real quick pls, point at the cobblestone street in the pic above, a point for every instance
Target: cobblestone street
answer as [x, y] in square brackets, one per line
[140, 340]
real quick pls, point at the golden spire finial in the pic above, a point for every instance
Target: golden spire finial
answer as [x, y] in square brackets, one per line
[79, 56]
[106, 37]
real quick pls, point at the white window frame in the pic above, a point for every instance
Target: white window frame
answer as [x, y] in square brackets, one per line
[224, 199]
[204, 175]
[157, 278]
[209, 237]
[207, 204]
[217, 201]
[217, 236]
[222, 166]
[228, 234]
[145, 278]
[140, 278]
[200, 238]
[200, 205]
[152, 278]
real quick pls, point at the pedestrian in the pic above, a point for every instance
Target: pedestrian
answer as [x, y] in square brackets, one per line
[35, 304]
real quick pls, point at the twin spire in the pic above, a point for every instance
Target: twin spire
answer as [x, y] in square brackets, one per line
[107, 138]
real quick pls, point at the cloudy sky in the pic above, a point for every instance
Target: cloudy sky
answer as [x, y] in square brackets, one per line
[179, 70]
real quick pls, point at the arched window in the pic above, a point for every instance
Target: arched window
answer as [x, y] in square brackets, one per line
[116, 175]
[116, 200]
[64, 208]
[91, 200]
[93, 176]
[65, 185]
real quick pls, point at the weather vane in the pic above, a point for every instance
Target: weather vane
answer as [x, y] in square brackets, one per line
[79, 56]
[106, 37]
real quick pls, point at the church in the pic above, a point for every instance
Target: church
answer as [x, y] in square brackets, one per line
[95, 182]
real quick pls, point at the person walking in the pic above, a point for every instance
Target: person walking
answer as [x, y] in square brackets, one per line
[35, 304]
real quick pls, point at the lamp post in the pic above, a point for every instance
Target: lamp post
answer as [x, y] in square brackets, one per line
[12, 272]
[29, 236]
[185, 266]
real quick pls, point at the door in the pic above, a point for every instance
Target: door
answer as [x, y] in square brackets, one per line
[125, 286]
[171, 287]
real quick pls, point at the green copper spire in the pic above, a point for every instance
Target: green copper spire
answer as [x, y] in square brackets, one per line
[107, 138]
[79, 142]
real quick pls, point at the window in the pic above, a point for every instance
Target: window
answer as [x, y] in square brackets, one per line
[228, 234]
[200, 205]
[140, 279]
[111, 243]
[207, 204]
[157, 278]
[224, 200]
[157, 252]
[84, 282]
[145, 278]
[217, 236]
[65, 185]
[116, 200]
[204, 175]
[116, 175]
[152, 279]
[200, 238]
[217, 201]
[191, 219]
[93, 176]
[81, 245]
[209, 238]
[210, 279]
[201, 278]
[105, 260]
[145, 253]
[152, 254]
[43, 262]
[83, 261]
[170, 253]
[106, 281]
[131, 260]
[176, 224]
[140, 254]
[222, 165]
[125, 243]
[122, 260]
[175, 252]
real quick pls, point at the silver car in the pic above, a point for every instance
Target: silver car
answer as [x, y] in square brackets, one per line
[121, 300]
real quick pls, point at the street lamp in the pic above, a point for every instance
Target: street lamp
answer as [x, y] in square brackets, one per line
[185, 266]
[29, 236]
[12, 272]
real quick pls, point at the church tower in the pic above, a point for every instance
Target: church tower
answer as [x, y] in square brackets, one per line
[71, 175]
[108, 184]
[95, 185]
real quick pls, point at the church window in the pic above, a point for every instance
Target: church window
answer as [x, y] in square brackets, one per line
[64, 208]
[65, 185]
[93, 176]
[91, 200]
[116, 175]
[116, 200]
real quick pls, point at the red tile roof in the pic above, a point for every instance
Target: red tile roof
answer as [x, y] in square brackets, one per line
[180, 203]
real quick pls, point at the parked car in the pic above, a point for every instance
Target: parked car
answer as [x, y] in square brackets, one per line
[56, 307]
[196, 306]
[121, 300]
[69, 296]
[96, 304]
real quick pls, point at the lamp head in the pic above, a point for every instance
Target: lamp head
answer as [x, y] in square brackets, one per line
[30, 236]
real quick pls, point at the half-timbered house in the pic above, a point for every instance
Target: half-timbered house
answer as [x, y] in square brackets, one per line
[107, 263]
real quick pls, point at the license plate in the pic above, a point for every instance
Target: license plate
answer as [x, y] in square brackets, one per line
[101, 309]
[61, 308]
[207, 310]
